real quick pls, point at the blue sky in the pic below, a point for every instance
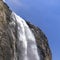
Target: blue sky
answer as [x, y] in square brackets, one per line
[46, 15]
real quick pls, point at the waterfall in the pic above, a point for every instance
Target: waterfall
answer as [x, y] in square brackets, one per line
[26, 43]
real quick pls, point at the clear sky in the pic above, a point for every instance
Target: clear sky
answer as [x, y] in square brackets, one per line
[46, 15]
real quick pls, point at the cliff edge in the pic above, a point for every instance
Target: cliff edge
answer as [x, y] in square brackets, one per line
[7, 40]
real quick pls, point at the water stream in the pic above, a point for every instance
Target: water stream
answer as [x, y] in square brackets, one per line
[26, 43]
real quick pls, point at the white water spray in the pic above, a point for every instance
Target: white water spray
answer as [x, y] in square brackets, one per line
[4, 1]
[26, 44]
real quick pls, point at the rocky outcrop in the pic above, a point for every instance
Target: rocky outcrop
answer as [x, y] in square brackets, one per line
[42, 42]
[6, 41]
[8, 38]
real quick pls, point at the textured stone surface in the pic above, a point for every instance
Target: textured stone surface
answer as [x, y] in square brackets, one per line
[42, 42]
[6, 41]
[8, 38]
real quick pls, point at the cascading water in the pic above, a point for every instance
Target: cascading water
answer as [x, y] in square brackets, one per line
[26, 44]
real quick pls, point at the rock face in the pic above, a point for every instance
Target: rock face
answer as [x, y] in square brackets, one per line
[8, 38]
[42, 42]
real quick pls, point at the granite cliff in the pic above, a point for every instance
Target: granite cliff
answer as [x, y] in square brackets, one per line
[8, 38]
